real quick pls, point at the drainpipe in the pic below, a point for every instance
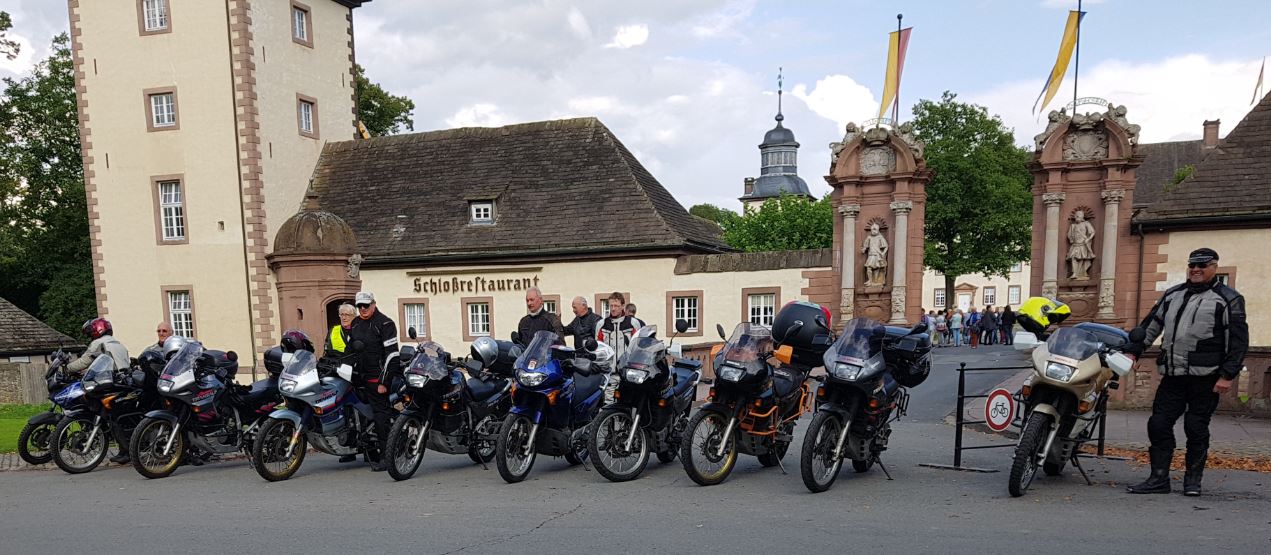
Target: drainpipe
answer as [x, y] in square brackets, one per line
[1138, 295]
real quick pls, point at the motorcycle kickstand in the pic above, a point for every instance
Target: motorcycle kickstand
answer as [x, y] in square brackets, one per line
[782, 467]
[883, 467]
[1077, 464]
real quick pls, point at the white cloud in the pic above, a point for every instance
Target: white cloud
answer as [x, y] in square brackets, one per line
[724, 22]
[482, 114]
[1168, 98]
[592, 104]
[629, 36]
[1068, 4]
[578, 24]
[23, 61]
[838, 98]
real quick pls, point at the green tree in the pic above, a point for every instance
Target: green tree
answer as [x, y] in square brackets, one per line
[979, 208]
[45, 261]
[381, 112]
[8, 47]
[713, 213]
[786, 223]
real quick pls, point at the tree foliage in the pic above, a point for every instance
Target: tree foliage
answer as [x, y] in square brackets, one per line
[45, 262]
[713, 213]
[979, 208]
[787, 223]
[381, 112]
[8, 47]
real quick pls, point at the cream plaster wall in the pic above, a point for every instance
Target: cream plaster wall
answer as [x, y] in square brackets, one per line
[1243, 249]
[647, 280]
[932, 280]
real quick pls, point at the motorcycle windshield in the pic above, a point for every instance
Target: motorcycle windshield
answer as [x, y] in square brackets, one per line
[301, 362]
[538, 353]
[748, 347]
[430, 361]
[1074, 343]
[861, 339]
[644, 351]
[183, 361]
[101, 371]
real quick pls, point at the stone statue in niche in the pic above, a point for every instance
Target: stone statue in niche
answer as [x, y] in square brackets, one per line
[875, 251]
[1080, 252]
[1087, 140]
[354, 268]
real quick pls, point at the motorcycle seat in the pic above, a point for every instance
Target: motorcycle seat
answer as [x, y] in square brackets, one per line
[584, 386]
[484, 389]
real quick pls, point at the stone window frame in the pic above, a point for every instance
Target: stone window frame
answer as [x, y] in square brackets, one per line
[984, 295]
[141, 19]
[404, 331]
[291, 18]
[146, 96]
[1230, 272]
[155, 181]
[602, 301]
[935, 298]
[301, 100]
[553, 299]
[463, 316]
[165, 292]
[701, 311]
[746, 292]
[1019, 295]
[1017, 267]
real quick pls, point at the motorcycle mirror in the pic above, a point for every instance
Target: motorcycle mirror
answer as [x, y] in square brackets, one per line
[411, 333]
[920, 328]
[1137, 335]
[681, 325]
[231, 356]
[719, 328]
[1025, 341]
[590, 344]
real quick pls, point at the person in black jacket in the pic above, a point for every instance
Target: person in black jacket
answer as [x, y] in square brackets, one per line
[376, 367]
[584, 324]
[1204, 338]
[1008, 326]
[538, 319]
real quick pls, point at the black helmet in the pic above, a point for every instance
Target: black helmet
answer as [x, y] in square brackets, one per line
[295, 340]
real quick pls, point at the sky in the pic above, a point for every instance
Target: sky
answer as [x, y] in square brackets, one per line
[689, 85]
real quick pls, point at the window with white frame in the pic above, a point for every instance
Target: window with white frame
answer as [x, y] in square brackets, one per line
[686, 308]
[478, 319]
[761, 308]
[163, 109]
[417, 317]
[181, 313]
[550, 306]
[154, 15]
[481, 212]
[299, 23]
[1017, 267]
[1013, 295]
[990, 296]
[171, 211]
[941, 299]
[306, 116]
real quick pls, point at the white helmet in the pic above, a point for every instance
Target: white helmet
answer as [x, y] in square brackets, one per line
[173, 344]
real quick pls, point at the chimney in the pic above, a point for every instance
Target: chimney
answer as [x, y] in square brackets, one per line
[750, 186]
[1211, 133]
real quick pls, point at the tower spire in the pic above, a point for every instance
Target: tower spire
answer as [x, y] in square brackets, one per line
[779, 117]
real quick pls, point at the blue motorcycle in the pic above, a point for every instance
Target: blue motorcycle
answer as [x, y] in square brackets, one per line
[66, 393]
[557, 393]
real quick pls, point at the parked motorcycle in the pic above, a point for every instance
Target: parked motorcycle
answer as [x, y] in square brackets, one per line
[205, 413]
[751, 408]
[557, 393]
[447, 413]
[862, 393]
[115, 401]
[650, 409]
[66, 394]
[1066, 395]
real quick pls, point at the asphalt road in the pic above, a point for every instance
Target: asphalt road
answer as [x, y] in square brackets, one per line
[454, 506]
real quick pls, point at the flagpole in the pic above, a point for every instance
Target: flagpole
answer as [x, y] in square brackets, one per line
[1076, 68]
[895, 110]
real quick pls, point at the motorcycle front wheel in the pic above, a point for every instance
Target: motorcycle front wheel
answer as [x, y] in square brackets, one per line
[73, 452]
[403, 461]
[512, 454]
[1032, 440]
[35, 442]
[699, 453]
[269, 452]
[608, 446]
[817, 463]
[147, 446]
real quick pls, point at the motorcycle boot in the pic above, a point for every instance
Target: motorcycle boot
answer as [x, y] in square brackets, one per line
[1195, 471]
[1158, 480]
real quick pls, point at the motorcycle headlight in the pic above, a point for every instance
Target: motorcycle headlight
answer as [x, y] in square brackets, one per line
[530, 379]
[637, 376]
[1059, 372]
[730, 373]
[287, 386]
[165, 386]
[846, 371]
[416, 380]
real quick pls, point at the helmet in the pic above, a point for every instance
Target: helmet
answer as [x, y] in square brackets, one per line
[173, 344]
[1039, 313]
[295, 340]
[97, 327]
[485, 350]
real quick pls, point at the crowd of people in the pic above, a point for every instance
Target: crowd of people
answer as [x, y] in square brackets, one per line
[955, 328]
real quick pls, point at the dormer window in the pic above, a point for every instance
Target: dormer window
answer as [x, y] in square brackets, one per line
[481, 212]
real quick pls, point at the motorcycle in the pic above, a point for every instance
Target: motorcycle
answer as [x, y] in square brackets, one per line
[1066, 395]
[557, 394]
[66, 394]
[751, 408]
[115, 401]
[861, 394]
[650, 408]
[205, 413]
[446, 413]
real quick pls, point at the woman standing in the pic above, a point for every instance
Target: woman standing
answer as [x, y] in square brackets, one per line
[942, 330]
[956, 326]
[1008, 326]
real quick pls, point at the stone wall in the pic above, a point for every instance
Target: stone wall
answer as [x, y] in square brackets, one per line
[1250, 395]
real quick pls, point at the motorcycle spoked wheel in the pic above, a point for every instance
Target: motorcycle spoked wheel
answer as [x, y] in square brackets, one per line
[817, 463]
[402, 461]
[607, 446]
[269, 453]
[35, 442]
[699, 451]
[147, 444]
[1031, 441]
[481, 451]
[512, 456]
[72, 451]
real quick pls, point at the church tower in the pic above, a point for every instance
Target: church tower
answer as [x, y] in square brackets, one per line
[778, 165]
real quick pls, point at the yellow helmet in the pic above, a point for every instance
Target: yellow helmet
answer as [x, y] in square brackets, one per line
[1039, 313]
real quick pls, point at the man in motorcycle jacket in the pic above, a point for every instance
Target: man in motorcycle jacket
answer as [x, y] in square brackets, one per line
[584, 323]
[1204, 337]
[616, 331]
[377, 365]
[537, 318]
[103, 341]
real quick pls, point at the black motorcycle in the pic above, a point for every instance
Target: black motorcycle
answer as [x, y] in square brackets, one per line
[862, 393]
[65, 393]
[446, 412]
[650, 408]
[115, 401]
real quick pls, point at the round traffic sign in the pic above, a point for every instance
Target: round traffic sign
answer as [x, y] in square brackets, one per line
[999, 409]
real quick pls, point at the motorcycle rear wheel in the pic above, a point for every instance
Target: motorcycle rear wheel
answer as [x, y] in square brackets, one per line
[510, 454]
[402, 464]
[1031, 440]
[607, 446]
[701, 443]
[271, 446]
[148, 440]
[71, 451]
[34, 442]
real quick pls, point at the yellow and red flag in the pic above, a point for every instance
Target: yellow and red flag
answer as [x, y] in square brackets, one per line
[1066, 47]
[896, 47]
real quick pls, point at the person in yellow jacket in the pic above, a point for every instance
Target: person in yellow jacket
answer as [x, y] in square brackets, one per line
[338, 339]
[1039, 313]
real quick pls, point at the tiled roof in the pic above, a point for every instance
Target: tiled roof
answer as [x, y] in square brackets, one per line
[22, 333]
[1161, 161]
[564, 186]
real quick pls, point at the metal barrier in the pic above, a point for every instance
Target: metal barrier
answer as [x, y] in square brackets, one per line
[960, 420]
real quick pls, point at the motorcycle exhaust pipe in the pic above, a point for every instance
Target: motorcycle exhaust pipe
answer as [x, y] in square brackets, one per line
[635, 427]
[723, 440]
[167, 447]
